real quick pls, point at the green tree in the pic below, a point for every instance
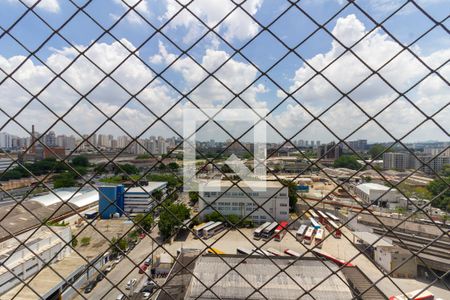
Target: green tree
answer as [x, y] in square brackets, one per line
[127, 168]
[172, 217]
[214, 216]
[172, 180]
[143, 156]
[85, 241]
[193, 197]
[376, 150]
[80, 161]
[292, 193]
[440, 190]
[144, 221]
[347, 161]
[446, 171]
[74, 242]
[158, 194]
[173, 166]
[118, 245]
[64, 180]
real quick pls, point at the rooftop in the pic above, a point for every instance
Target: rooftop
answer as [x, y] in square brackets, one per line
[307, 273]
[367, 187]
[149, 188]
[371, 239]
[214, 184]
[79, 198]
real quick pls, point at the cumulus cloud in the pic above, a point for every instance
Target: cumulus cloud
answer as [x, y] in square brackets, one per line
[238, 77]
[238, 25]
[84, 76]
[374, 94]
[232, 77]
[48, 5]
[140, 8]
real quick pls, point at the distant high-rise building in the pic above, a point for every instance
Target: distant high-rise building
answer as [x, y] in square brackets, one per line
[317, 143]
[50, 139]
[330, 151]
[162, 147]
[358, 145]
[397, 161]
[5, 140]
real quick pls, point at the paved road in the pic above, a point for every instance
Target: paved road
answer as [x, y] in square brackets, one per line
[106, 290]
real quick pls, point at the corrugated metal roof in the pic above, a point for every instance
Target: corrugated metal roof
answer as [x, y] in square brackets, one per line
[307, 273]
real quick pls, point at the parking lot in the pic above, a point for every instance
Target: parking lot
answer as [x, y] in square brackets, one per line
[227, 242]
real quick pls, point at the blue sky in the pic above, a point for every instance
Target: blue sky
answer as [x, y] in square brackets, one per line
[241, 74]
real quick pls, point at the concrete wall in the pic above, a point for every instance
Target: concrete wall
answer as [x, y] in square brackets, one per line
[390, 257]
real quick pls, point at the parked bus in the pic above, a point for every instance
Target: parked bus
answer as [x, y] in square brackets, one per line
[309, 236]
[198, 230]
[323, 218]
[269, 230]
[274, 252]
[281, 230]
[244, 251]
[258, 231]
[300, 232]
[334, 229]
[215, 251]
[318, 238]
[313, 213]
[333, 217]
[213, 229]
[292, 253]
[314, 223]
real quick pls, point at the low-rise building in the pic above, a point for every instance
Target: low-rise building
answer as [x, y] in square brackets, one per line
[378, 194]
[390, 257]
[20, 261]
[231, 200]
[116, 199]
[305, 274]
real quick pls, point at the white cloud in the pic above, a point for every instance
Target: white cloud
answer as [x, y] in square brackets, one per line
[48, 5]
[133, 16]
[238, 25]
[210, 92]
[133, 75]
[347, 72]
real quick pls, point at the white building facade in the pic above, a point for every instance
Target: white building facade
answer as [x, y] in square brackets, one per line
[382, 195]
[233, 201]
[138, 200]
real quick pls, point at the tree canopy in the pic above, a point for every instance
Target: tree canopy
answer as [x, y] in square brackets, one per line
[81, 161]
[376, 150]
[347, 161]
[172, 217]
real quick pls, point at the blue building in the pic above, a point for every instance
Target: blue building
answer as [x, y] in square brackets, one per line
[131, 200]
[110, 200]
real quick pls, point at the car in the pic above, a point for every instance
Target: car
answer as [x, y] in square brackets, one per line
[146, 295]
[118, 259]
[91, 285]
[99, 277]
[108, 269]
[142, 235]
[131, 283]
[148, 261]
[120, 297]
[143, 268]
